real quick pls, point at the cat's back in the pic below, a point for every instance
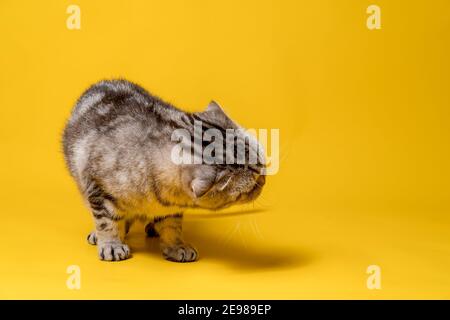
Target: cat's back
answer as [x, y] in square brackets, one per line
[109, 115]
[110, 97]
[109, 104]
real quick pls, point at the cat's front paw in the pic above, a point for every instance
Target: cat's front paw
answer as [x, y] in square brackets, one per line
[180, 253]
[113, 251]
[92, 238]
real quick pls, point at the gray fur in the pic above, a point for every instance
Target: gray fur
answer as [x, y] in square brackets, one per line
[117, 146]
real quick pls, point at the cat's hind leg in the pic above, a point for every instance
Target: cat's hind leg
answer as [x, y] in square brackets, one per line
[172, 245]
[108, 225]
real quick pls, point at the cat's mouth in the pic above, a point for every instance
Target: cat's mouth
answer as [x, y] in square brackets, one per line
[254, 192]
[243, 197]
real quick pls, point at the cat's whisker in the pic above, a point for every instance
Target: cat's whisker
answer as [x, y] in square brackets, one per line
[262, 202]
[284, 155]
[256, 229]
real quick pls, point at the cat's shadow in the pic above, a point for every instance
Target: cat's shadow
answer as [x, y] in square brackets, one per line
[233, 252]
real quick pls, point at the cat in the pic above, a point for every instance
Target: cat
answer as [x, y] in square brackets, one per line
[117, 145]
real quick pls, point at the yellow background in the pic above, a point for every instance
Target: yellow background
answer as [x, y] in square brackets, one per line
[364, 124]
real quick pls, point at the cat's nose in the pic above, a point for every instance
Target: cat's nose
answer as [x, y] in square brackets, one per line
[261, 180]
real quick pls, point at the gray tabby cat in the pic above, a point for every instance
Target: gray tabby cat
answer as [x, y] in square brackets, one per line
[117, 146]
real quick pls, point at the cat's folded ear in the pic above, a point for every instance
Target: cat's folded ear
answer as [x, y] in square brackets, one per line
[216, 115]
[199, 180]
[200, 186]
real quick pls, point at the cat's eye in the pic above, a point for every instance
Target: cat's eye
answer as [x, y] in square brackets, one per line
[254, 169]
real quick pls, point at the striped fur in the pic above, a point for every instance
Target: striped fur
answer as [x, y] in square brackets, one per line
[117, 146]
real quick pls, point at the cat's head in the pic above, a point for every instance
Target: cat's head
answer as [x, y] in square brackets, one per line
[213, 187]
[216, 186]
